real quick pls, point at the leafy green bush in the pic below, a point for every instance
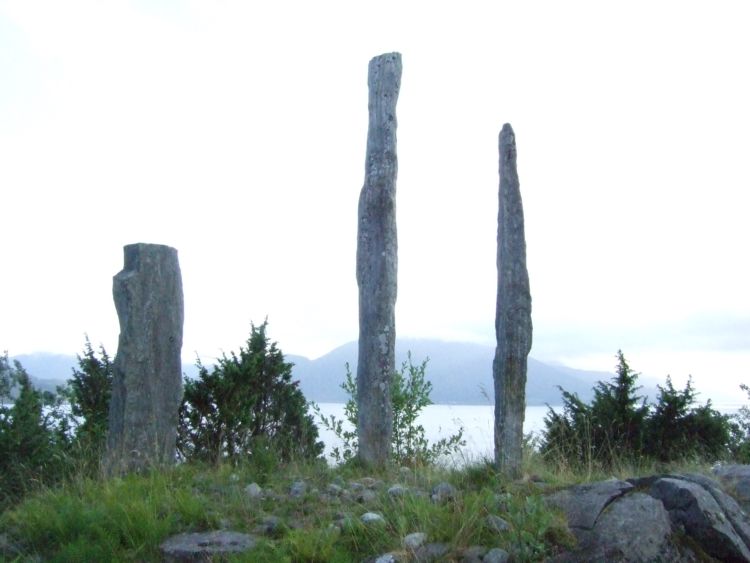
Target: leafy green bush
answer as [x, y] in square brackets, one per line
[618, 425]
[246, 405]
[88, 393]
[410, 393]
[30, 449]
[677, 429]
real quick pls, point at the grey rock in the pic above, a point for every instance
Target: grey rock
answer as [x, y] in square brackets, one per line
[736, 478]
[443, 492]
[693, 508]
[253, 490]
[582, 504]
[269, 526]
[472, 554]
[377, 256]
[635, 528]
[298, 489]
[334, 489]
[431, 552]
[496, 555]
[342, 520]
[732, 510]
[147, 371]
[365, 496]
[397, 491]
[513, 314]
[205, 546]
[387, 558]
[370, 482]
[497, 524]
[502, 501]
[415, 540]
[372, 518]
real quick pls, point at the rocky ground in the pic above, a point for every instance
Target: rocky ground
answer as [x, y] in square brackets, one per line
[669, 517]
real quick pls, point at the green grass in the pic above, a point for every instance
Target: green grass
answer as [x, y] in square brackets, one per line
[127, 519]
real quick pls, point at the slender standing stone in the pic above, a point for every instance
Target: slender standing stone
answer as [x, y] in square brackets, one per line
[147, 384]
[377, 264]
[513, 315]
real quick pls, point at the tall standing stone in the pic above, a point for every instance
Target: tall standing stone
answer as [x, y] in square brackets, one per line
[147, 383]
[513, 315]
[377, 264]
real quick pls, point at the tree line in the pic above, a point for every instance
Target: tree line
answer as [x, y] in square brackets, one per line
[246, 407]
[619, 426]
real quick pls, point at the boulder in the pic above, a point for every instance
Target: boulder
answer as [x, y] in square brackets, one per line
[582, 504]
[693, 508]
[736, 479]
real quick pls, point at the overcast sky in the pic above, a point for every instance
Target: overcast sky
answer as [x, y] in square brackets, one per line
[235, 132]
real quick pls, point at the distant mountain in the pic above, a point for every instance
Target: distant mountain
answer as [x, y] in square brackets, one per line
[47, 371]
[460, 372]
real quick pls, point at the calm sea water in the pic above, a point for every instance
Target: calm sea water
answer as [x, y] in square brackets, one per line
[441, 421]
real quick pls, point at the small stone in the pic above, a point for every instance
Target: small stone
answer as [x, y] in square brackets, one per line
[342, 520]
[473, 554]
[431, 552]
[298, 489]
[371, 518]
[387, 558]
[503, 501]
[497, 524]
[253, 490]
[397, 491]
[334, 489]
[205, 546]
[415, 540]
[364, 496]
[269, 526]
[496, 555]
[443, 492]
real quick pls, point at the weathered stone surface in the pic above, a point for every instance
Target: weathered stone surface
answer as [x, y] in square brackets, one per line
[732, 510]
[269, 526]
[513, 315]
[415, 540]
[635, 528]
[693, 508]
[377, 250]
[371, 518]
[443, 492]
[497, 524]
[496, 555]
[737, 480]
[253, 490]
[582, 504]
[298, 489]
[206, 546]
[431, 552]
[472, 554]
[397, 491]
[147, 384]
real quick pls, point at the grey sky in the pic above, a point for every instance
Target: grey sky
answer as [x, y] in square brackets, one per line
[236, 133]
